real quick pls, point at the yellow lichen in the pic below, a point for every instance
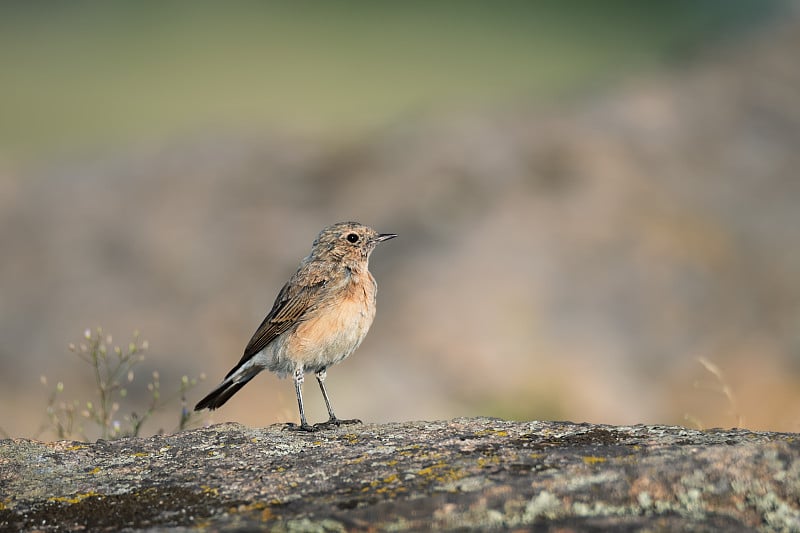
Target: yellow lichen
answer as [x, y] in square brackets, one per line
[592, 460]
[487, 461]
[428, 470]
[266, 512]
[73, 499]
[352, 438]
[388, 480]
[441, 472]
[209, 490]
[496, 432]
[409, 450]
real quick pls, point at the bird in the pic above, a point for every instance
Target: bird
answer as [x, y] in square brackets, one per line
[318, 319]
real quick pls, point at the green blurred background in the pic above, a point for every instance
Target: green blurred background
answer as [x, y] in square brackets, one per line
[590, 197]
[103, 74]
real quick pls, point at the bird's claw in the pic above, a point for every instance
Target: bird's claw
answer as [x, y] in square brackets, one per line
[336, 422]
[331, 422]
[291, 426]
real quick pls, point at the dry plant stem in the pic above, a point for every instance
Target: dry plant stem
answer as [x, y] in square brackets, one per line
[109, 372]
[720, 386]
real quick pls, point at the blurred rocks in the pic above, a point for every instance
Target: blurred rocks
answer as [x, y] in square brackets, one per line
[569, 262]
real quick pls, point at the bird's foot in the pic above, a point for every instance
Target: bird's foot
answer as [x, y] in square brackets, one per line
[291, 426]
[336, 422]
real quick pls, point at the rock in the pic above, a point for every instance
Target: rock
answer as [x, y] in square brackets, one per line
[467, 473]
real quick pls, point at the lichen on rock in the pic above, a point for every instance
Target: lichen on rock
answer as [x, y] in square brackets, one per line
[476, 473]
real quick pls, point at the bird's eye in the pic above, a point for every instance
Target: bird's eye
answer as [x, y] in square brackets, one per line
[352, 237]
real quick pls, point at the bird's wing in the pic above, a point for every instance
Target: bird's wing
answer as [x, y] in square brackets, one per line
[292, 303]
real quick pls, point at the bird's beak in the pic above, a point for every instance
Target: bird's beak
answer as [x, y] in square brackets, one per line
[385, 237]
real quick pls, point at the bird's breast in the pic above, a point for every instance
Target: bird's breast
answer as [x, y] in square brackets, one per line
[338, 326]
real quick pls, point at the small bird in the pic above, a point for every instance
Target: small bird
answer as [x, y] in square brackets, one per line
[319, 318]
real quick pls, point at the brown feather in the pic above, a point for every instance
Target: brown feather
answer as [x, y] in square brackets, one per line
[292, 303]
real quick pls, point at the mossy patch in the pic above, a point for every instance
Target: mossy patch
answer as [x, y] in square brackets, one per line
[154, 506]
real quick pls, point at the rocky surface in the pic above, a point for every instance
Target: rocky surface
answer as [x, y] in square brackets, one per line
[478, 473]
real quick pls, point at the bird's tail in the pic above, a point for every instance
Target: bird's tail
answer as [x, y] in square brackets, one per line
[235, 380]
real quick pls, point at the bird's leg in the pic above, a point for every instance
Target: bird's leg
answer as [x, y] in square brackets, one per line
[332, 420]
[321, 380]
[298, 387]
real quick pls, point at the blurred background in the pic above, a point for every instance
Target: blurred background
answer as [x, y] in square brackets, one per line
[598, 203]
